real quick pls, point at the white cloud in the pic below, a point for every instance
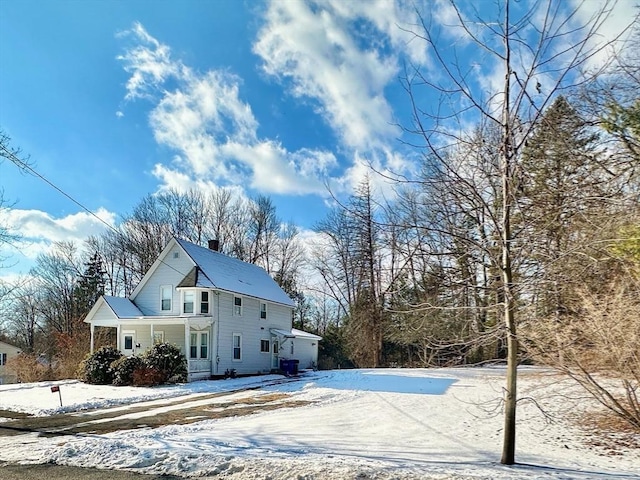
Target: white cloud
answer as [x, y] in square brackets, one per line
[618, 16]
[149, 63]
[39, 230]
[213, 131]
[342, 55]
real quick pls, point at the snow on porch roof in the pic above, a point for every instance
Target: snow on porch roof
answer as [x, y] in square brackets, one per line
[122, 307]
[233, 275]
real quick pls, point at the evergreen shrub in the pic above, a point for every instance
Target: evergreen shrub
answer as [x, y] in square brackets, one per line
[168, 360]
[124, 368]
[96, 368]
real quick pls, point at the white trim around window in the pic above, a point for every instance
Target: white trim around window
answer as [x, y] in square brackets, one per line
[198, 345]
[265, 345]
[188, 301]
[205, 297]
[237, 306]
[236, 354]
[166, 298]
[263, 310]
[158, 336]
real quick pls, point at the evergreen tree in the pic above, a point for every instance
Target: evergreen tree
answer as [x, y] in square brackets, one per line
[564, 185]
[90, 285]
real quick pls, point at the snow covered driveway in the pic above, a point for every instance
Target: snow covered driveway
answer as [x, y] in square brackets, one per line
[388, 423]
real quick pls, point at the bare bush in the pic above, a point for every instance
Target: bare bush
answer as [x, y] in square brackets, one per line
[31, 368]
[598, 346]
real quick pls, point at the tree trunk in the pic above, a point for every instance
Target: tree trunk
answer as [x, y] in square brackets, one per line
[509, 443]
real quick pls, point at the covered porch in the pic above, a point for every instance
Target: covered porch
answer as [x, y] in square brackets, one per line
[192, 335]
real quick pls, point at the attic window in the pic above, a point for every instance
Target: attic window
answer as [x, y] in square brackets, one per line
[176, 254]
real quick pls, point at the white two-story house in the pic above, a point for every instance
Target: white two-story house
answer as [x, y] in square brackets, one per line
[224, 314]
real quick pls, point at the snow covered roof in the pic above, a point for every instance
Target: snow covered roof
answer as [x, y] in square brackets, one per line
[294, 333]
[303, 334]
[222, 272]
[122, 307]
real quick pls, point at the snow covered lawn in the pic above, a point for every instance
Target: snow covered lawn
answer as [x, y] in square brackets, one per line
[378, 424]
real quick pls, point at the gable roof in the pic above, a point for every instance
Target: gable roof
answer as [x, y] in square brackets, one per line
[219, 271]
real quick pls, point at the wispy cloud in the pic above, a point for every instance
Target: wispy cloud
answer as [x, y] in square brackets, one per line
[149, 63]
[213, 131]
[39, 230]
[342, 55]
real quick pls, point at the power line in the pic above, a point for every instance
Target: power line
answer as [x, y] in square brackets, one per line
[23, 165]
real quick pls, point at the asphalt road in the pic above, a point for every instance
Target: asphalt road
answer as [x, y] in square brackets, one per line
[49, 471]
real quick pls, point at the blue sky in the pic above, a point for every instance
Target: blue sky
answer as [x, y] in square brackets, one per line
[115, 100]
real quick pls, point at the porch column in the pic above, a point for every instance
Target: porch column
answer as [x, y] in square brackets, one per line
[187, 347]
[93, 329]
[118, 335]
[152, 342]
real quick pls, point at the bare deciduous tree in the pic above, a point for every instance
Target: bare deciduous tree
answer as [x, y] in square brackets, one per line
[541, 51]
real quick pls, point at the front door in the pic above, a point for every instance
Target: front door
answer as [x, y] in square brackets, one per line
[128, 343]
[275, 353]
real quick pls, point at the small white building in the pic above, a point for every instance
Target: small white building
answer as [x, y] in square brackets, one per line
[224, 314]
[7, 352]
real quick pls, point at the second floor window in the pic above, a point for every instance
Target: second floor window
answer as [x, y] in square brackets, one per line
[188, 302]
[237, 306]
[263, 311]
[166, 293]
[204, 302]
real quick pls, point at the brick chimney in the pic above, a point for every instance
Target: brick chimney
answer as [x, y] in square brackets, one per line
[214, 245]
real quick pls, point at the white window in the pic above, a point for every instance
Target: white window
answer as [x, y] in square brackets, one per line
[237, 346]
[264, 346]
[237, 306]
[199, 345]
[187, 306]
[291, 347]
[204, 345]
[166, 294]
[3, 358]
[158, 337]
[263, 311]
[204, 302]
[128, 341]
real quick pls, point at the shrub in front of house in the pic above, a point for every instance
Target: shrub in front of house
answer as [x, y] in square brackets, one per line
[167, 359]
[29, 367]
[146, 376]
[124, 368]
[96, 368]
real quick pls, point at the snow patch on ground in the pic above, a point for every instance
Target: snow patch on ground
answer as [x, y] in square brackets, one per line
[365, 424]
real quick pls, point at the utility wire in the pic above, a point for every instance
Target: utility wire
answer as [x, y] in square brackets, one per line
[12, 156]
[22, 165]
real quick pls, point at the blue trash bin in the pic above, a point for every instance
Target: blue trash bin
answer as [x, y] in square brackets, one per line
[285, 366]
